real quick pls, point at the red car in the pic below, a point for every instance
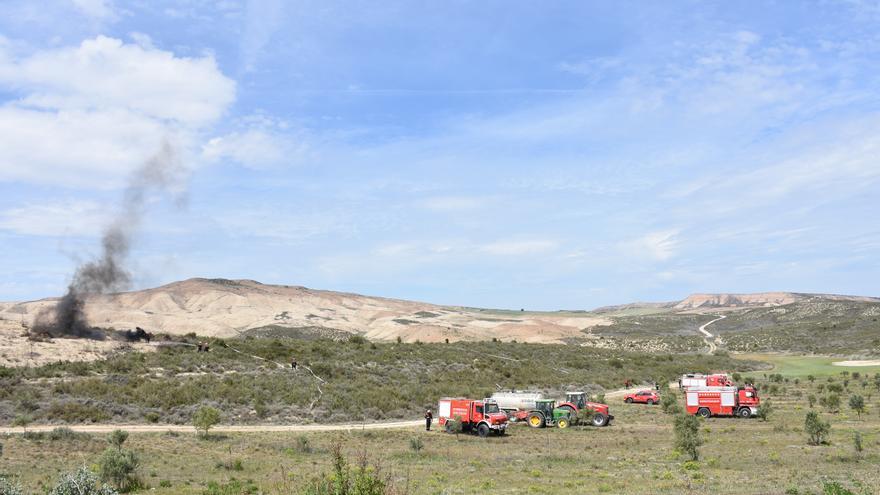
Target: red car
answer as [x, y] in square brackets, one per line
[649, 397]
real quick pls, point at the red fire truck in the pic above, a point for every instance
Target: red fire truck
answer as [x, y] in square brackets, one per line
[722, 401]
[476, 416]
[697, 380]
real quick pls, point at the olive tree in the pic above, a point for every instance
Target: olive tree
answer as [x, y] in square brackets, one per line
[687, 435]
[816, 428]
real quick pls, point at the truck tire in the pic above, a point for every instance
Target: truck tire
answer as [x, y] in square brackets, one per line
[744, 412]
[629, 400]
[448, 427]
[536, 420]
[483, 430]
[704, 412]
[599, 419]
[563, 423]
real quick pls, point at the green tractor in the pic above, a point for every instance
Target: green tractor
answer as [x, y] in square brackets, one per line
[547, 414]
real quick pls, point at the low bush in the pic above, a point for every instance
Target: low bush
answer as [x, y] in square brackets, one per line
[81, 482]
[120, 467]
[8, 487]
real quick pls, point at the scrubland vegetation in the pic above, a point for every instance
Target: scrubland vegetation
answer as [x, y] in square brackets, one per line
[359, 380]
[835, 452]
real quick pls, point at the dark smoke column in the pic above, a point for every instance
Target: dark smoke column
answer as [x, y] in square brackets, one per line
[107, 273]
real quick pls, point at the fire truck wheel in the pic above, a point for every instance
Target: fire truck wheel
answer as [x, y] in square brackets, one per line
[600, 419]
[483, 430]
[536, 420]
[704, 412]
[745, 412]
[629, 400]
[563, 423]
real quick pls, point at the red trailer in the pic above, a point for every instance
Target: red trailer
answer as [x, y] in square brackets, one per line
[476, 416]
[722, 401]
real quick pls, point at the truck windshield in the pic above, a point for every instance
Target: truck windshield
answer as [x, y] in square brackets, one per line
[492, 408]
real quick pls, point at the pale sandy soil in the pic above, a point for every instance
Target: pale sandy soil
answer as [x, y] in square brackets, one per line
[861, 362]
[226, 308]
[17, 350]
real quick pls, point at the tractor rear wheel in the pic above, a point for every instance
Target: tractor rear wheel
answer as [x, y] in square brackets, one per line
[563, 423]
[483, 430]
[536, 420]
[703, 412]
[745, 412]
[600, 419]
[629, 400]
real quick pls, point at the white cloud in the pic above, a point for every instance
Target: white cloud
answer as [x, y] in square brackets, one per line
[262, 20]
[257, 148]
[106, 73]
[89, 114]
[660, 245]
[77, 218]
[96, 9]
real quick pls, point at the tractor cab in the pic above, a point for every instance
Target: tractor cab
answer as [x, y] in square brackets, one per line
[547, 414]
[578, 399]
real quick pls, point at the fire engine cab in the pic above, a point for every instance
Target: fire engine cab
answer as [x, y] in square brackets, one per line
[722, 401]
[476, 416]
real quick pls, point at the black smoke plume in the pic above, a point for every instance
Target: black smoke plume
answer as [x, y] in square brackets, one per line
[107, 273]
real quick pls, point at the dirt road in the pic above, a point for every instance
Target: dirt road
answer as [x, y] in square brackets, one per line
[707, 335]
[106, 428]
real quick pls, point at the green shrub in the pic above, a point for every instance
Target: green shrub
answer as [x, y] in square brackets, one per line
[765, 409]
[857, 442]
[816, 429]
[117, 438]
[687, 435]
[65, 433]
[152, 417]
[669, 403]
[362, 480]
[416, 444]
[120, 467]
[81, 482]
[232, 487]
[857, 404]
[206, 418]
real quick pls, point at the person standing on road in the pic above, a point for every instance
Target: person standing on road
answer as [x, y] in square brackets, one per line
[428, 418]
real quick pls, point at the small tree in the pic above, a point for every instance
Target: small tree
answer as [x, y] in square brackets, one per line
[416, 444]
[669, 403]
[811, 378]
[812, 400]
[22, 420]
[81, 482]
[765, 410]
[117, 438]
[857, 404]
[816, 428]
[857, 442]
[206, 418]
[687, 435]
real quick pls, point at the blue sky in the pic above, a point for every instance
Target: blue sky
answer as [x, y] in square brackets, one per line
[505, 154]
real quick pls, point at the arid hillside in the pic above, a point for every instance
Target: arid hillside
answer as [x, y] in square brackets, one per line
[227, 308]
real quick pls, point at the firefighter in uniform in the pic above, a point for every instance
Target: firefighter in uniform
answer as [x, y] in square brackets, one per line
[428, 418]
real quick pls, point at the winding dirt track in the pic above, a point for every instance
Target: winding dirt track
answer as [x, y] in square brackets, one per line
[707, 335]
